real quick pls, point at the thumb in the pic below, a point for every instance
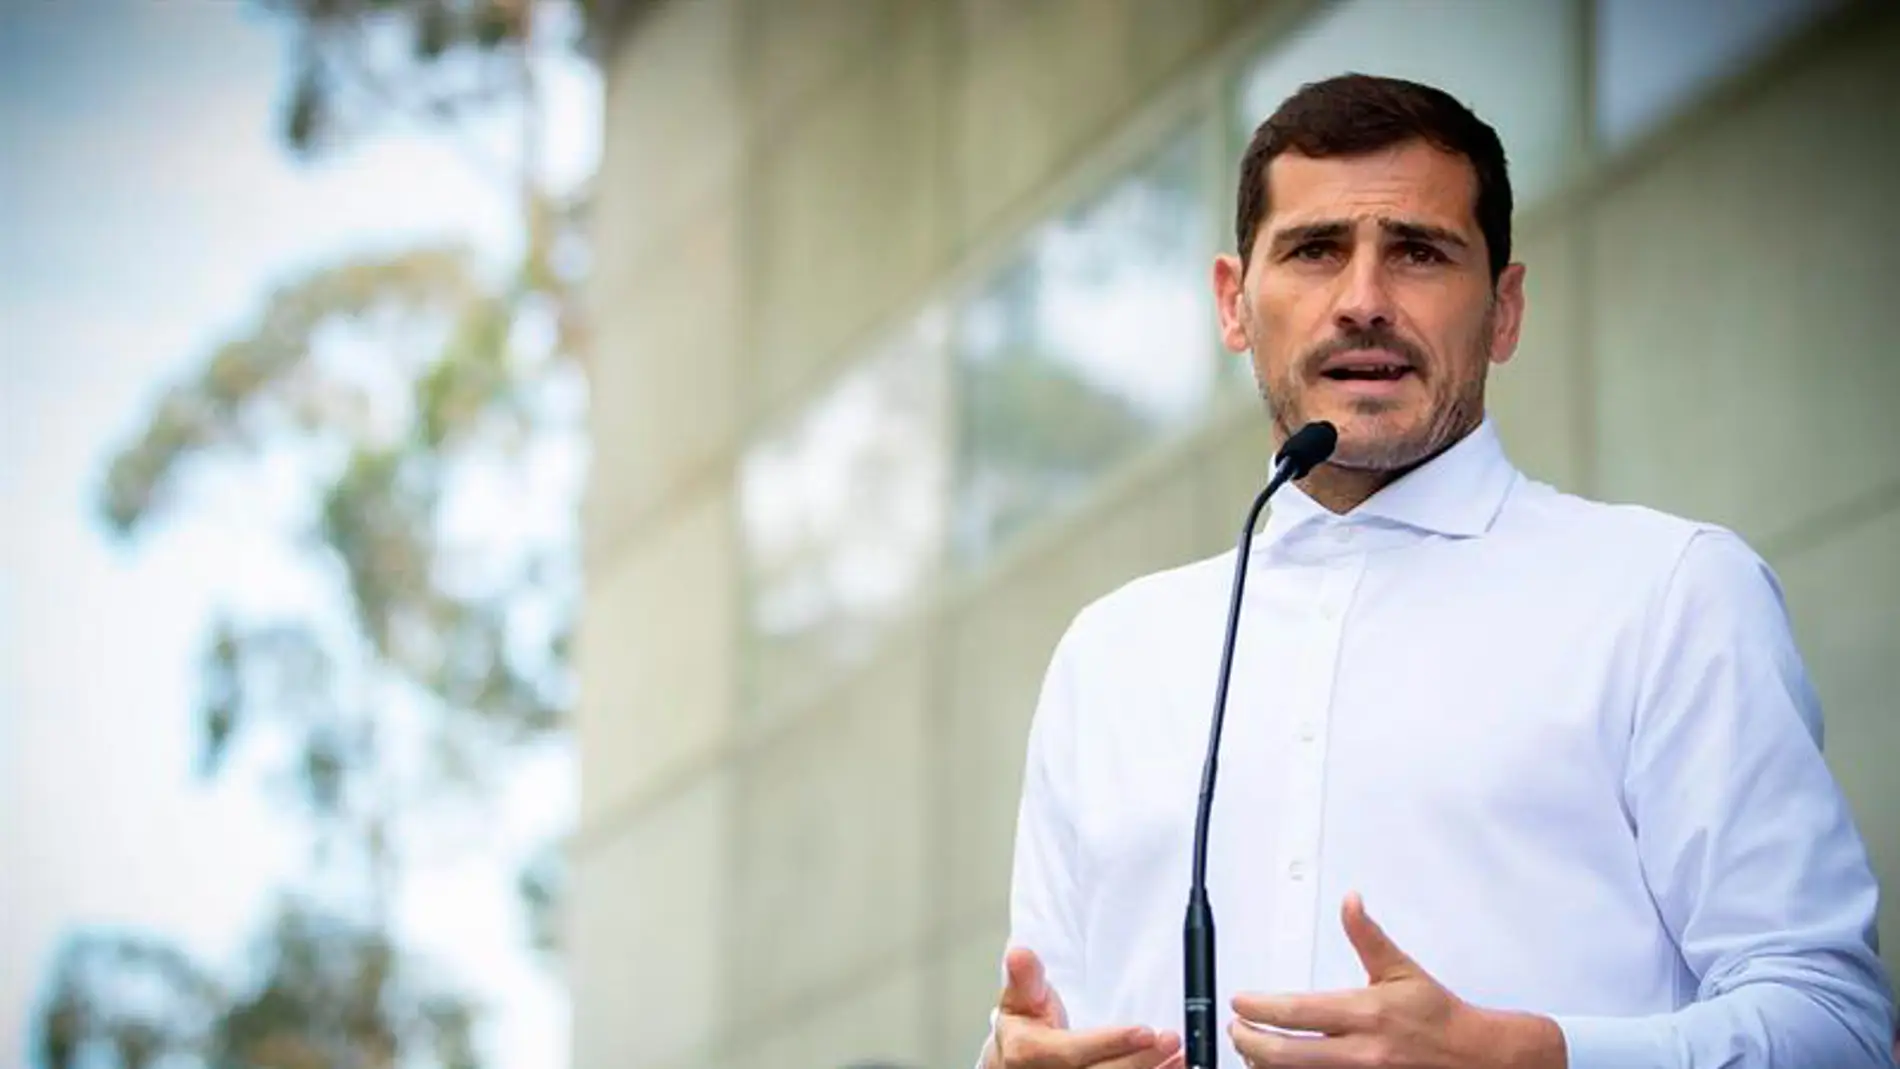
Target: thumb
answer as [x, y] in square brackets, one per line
[1381, 957]
[1026, 991]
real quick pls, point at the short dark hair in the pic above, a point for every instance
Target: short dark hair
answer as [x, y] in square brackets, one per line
[1360, 113]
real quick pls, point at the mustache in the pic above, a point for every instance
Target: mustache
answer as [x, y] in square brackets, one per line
[1353, 338]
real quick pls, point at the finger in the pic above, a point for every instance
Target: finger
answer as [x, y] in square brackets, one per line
[1029, 1045]
[1381, 957]
[1271, 1049]
[1025, 991]
[1332, 1013]
[1096, 1046]
[1165, 1050]
[1053, 1011]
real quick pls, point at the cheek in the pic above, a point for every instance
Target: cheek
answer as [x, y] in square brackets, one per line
[1274, 354]
[1284, 328]
[1460, 344]
[1475, 352]
[1454, 319]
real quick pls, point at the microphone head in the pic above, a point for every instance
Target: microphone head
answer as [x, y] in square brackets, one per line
[1308, 447]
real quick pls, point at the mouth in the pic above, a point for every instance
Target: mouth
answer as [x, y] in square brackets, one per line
[1369, 373]
[1367, 365]
[1369, 376]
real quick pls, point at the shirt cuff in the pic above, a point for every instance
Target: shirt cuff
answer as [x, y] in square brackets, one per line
[1616, 1043]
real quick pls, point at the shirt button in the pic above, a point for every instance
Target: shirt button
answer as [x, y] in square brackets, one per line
[1296, 870]
[1307, 731]
[1342, 535]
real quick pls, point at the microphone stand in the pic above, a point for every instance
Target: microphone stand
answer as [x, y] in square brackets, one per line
[1304, 450]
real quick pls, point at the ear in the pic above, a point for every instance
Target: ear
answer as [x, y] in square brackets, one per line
[1508, 318]
[1230, 297]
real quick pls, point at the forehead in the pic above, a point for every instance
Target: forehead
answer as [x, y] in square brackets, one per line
[1412, 181]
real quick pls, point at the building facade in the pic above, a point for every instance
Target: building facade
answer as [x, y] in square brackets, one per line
[906, 350]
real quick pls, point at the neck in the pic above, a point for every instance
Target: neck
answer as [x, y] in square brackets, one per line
[1340, 490]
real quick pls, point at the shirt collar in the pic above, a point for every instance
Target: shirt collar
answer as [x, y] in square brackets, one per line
[1457, 493]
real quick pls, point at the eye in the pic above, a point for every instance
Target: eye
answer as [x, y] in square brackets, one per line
[1421, 253]
[1311, 251]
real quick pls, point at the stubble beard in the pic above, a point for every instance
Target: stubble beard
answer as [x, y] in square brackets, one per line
[1448, 421]
[1396, 451]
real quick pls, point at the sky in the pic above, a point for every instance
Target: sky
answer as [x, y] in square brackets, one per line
[145, 209]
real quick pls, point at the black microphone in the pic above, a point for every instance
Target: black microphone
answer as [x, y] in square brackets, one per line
[1304, 450]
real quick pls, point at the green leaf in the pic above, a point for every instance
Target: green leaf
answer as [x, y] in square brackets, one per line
[256, 388]
[224, 695]
[542, 886]
[435, 29]
[495, 24]
[304, 116]
[470, 376]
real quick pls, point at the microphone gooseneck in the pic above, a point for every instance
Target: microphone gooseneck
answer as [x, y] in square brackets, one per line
[1304, 450]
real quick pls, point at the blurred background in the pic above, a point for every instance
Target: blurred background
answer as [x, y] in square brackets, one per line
[533, 527]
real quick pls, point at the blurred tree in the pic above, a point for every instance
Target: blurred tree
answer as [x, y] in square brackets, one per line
[1038, 433]
[331, 992]
[385, 410]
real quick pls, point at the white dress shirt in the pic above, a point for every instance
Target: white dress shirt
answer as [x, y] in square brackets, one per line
[1566, 751]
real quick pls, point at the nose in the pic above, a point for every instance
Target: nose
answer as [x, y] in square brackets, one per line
[1365, 300]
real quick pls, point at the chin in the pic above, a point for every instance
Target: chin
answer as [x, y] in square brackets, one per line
[1379, 443]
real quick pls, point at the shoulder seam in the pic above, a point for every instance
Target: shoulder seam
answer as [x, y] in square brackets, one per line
[1653, 609]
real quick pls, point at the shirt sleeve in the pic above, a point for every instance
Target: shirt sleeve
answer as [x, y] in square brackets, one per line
[1043, 903]
[1747, 842]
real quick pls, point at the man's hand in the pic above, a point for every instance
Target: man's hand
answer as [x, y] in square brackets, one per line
[1402, 1019]
[1032, 1031]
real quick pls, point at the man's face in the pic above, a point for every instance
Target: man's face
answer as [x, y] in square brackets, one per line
[1368, 302]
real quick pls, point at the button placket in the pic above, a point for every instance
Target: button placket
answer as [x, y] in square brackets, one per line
[1295, 922]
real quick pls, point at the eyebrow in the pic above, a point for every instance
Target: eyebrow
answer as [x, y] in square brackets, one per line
[1423, 232]
[1333, 230]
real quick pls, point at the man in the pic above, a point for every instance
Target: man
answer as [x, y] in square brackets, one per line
[1509, 778]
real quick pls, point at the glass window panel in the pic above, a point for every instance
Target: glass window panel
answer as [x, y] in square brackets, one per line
[842, 514]
[1655, 56]
[1514, 62]
[1095, 342]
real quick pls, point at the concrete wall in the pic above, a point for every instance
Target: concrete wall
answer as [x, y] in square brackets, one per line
[783, 177]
